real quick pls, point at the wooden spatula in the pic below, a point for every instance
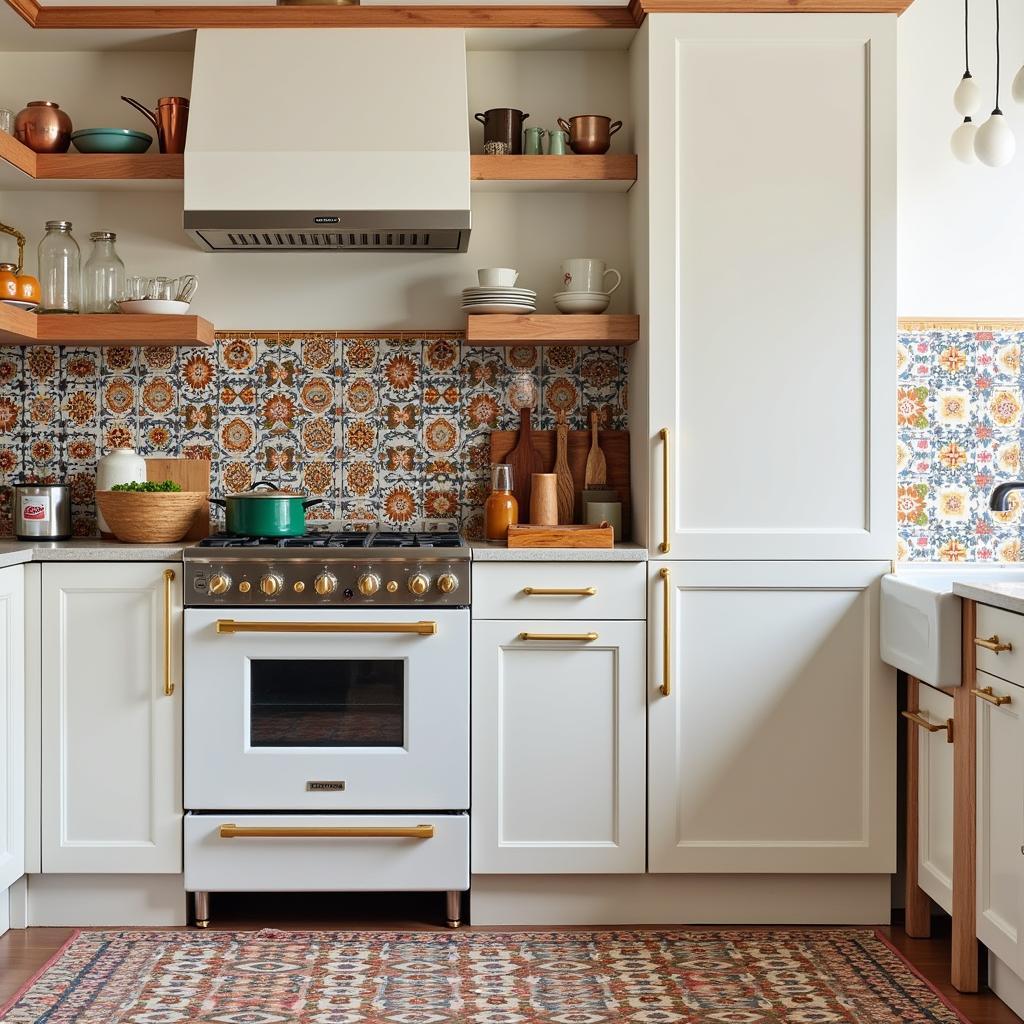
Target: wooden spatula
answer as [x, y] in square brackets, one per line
[524, 462]
[597, 469]
[566, 489]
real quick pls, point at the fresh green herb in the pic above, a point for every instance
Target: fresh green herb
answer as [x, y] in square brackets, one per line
[149, 487]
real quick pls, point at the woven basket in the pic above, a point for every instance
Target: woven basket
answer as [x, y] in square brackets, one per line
[138, 517]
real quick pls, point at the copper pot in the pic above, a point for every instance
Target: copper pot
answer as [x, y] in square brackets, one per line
[590, 134]
[170, 121]
[43, 127]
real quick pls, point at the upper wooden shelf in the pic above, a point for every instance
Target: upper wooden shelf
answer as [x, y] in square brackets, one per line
[93, 329]
[20, 167]
[552, 329]
[612, 172]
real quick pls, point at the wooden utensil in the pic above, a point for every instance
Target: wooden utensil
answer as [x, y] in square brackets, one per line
[544, 500]
[566, 491]
[524, 462]
[597, 469]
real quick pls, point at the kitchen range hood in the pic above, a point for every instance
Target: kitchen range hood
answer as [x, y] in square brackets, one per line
[327, 140]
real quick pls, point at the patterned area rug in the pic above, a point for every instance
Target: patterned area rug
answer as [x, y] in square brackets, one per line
[730, 976]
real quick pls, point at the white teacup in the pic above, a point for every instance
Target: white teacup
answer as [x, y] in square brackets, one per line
[497, 277]
[587, 275]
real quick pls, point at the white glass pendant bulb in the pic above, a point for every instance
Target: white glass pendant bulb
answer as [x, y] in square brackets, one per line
[967, 96]
[1018, 86]
[994, 144]
[962, 142]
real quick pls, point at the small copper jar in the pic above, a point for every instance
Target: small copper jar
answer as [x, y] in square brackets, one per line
[43, 127]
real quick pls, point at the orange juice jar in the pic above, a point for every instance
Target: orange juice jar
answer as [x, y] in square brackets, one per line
[501, 510]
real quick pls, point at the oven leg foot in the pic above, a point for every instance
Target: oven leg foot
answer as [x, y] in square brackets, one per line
[453, 908]
[202, 909]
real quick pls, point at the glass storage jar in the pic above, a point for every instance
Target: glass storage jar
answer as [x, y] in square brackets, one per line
[501, 510]
[103, 277]
[60, 273]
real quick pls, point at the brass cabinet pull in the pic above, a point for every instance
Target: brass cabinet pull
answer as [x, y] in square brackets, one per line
[168, 639]
[993, 644]
[666, 472]
[985, 693]
[230, 831]
[666, 686]
[560, 591]
[416, 628]
[910, 716]
[581, 637]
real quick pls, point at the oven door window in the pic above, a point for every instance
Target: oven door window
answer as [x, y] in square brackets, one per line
[326, 703]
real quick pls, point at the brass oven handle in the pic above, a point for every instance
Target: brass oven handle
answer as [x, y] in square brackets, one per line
[416, 628]
[560, 591]
[666, 686]
[910, 716]
[985, 693]
[583, 637]
[666, 473]
[168, 639]
[230, 831]
[993, 644]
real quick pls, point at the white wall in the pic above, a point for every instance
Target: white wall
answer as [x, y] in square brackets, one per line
[961, 228]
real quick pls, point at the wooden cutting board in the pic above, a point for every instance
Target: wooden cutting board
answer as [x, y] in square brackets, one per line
[192, 475]
[614, 444]
[521, 536]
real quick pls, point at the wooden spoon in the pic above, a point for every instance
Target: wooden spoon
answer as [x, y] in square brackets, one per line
[597, 469]
[566, 488]
[524, 462]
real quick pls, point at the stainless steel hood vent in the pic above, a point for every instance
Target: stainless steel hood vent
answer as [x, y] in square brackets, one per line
[358, 139]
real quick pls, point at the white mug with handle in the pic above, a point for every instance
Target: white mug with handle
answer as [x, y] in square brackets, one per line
[587, 275]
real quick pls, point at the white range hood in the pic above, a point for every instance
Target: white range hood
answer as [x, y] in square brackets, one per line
[328, 140]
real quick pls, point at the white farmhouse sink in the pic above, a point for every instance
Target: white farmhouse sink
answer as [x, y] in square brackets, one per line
[920, 627]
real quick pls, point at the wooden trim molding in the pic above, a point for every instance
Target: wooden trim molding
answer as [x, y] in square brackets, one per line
[334, 332]
[27, 10]
[913, 323]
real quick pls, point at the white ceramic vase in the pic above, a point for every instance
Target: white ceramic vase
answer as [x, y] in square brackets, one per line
[120, 466]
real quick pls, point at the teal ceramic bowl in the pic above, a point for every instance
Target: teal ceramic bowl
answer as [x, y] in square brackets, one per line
[111, 140]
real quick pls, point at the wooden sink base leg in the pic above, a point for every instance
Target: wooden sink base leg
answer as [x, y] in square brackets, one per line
[918, 905]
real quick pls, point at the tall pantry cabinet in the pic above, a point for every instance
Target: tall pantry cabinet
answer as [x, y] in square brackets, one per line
[764, 241]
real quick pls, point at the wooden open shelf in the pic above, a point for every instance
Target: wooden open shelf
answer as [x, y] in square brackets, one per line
[612, 172]
[552, 329]
[93, 329]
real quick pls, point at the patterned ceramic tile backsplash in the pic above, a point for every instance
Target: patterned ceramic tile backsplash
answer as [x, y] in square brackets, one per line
[961, 396]
[389, 430]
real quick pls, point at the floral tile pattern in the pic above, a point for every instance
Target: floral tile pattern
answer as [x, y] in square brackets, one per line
[960, 429]
[384, 430]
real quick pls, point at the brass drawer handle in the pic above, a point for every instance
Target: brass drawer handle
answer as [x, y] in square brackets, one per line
[666, 473]
[230, 831]
[416, 628]
[580, 637]
[168, 640]
[560, 591]
[985, 693]
[666, 686]
[910, 716]
[993, 644]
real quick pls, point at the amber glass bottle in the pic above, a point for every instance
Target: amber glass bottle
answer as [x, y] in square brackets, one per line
[501, 510]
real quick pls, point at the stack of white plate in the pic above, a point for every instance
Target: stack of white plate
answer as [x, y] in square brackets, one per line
[499, 299]
[582, 302]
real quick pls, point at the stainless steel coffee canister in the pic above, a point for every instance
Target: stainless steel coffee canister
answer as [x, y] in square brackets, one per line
[42, 512]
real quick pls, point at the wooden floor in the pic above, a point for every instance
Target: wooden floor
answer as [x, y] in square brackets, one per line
[22, 953]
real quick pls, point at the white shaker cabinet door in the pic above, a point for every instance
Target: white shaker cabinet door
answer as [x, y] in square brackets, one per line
[111, 745]
[558, 747]
[774, 748]
[935, 799]
[772, 174]
[12, 726]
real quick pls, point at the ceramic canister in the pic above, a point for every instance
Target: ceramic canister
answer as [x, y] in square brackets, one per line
[120, 466]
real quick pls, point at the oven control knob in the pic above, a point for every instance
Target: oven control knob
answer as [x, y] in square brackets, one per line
[326, 583]
[220, 583]
[368, 584]
[447, 583]
[271, 584]
[418, 584]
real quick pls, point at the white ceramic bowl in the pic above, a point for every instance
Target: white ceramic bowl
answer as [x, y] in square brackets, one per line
[165, 307]
[581, 302]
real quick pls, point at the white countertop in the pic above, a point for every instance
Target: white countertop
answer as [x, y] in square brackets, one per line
[1009, 595]
[484, 552]
[14, 552]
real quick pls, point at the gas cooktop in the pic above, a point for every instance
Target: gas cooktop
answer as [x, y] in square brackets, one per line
[339, 539]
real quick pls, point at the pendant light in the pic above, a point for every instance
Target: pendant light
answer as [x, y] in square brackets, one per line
[994, 143]
[967, 97]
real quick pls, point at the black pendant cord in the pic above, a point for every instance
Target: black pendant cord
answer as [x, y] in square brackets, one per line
[998, 65]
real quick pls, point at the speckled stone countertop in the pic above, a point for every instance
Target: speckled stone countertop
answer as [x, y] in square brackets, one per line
[1009, 596]
[14, 552]
[484, 552]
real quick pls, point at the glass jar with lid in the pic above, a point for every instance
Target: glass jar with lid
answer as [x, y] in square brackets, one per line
[60, 269]
[103, 277]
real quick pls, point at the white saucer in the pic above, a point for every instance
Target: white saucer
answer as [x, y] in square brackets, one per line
[582, 302]
[154, 306]
[18, 304]
[499, 307]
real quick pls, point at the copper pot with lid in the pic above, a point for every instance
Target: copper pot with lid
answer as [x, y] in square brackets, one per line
[170, 121]
[43, 127]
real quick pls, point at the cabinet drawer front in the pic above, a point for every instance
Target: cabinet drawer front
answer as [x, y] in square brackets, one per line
[283, 862]
[592, 590]
[996, 627]
[935, 800]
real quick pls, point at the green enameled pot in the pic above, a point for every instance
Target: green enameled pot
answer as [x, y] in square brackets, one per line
[269, 513]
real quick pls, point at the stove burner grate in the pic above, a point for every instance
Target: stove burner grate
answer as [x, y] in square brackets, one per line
[338, 539]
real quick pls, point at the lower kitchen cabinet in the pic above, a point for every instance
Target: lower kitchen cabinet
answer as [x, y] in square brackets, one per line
[773, 732]
[12, 726]
[559, 737]
[1000, 797]
[111, 717]
[935, 798]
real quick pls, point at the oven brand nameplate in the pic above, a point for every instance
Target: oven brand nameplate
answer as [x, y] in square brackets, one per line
[325, 787]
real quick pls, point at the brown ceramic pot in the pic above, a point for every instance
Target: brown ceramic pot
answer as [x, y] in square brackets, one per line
[43, 127]
[590, 134]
